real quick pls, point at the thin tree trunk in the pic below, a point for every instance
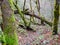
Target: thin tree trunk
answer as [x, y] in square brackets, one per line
[9, 27]
[24, 5]
[56, 18]
[38, 8]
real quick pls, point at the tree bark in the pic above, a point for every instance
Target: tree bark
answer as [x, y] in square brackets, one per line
[9, 27]
[56, 18]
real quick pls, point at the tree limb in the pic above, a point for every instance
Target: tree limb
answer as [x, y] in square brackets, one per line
[41, 18]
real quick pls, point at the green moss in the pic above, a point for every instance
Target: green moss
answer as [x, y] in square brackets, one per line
[22, 15]
[3, 40]
[11, 4]
[11, 39]
[12, 18]
[10, 35]
[10, 32]
[56, 18]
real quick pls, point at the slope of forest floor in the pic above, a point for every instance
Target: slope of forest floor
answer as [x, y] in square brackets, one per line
[42, 36]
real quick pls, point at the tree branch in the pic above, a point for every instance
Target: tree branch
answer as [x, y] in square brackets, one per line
[41, 18]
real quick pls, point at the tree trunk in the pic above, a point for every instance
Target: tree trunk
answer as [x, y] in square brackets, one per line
[56, 18]
[38, 8]
[9, 27]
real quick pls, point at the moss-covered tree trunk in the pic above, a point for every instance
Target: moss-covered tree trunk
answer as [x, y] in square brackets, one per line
[56, 18]
[9, 27]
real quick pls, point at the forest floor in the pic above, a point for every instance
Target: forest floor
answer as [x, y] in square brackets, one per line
[42, 36]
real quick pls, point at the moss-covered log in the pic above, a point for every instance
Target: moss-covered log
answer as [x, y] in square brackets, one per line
[9, 27]
[41, 18]
[30, 14]
[56, 18]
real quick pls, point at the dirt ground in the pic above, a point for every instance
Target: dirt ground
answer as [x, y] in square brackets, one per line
[42, 36]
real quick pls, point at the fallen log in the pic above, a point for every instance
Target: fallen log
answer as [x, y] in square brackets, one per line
[41, 18]
[30, 14]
